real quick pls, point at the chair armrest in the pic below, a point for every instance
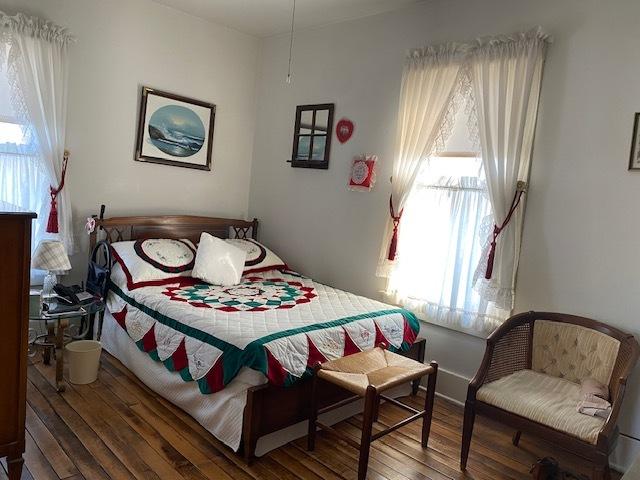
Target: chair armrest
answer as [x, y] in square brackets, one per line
[507, 351]
[612, 420]
[481, 374]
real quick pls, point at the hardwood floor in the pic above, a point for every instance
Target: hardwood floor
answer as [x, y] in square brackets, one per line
[118, 428]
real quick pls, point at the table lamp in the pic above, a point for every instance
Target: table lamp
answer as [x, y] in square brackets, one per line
[52, 257]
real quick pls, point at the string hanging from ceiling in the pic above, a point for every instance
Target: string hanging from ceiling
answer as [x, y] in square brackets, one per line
[293, 20]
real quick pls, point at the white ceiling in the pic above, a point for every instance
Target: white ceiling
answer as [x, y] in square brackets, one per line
[264, 18]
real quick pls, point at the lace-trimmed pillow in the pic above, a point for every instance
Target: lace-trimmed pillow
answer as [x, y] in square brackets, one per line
[154, 261]
[259, 257]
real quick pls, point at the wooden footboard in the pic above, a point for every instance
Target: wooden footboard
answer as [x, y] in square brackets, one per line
[271, 408]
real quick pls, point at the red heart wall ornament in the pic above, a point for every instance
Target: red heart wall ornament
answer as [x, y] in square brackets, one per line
[344, 130]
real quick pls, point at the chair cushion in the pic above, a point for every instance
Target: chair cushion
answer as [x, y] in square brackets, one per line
[381, 368]
[544, 399]
[573, 352]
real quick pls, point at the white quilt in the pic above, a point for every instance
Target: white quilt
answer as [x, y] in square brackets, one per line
[277, 323]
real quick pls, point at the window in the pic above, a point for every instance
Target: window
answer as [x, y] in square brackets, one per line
[445, 222]
[312, 136]
[23, 179]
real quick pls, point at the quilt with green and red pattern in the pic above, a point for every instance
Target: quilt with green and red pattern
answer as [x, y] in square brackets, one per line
[275, 322]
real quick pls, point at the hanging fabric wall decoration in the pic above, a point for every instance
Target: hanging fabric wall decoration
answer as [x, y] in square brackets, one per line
[363, 173]
[344, 130]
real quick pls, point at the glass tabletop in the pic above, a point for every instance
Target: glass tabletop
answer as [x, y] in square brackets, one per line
[91, 308]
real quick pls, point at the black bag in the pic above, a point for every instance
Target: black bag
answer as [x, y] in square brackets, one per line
[99, 269]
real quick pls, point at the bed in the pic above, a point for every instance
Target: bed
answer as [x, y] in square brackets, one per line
[241, 369]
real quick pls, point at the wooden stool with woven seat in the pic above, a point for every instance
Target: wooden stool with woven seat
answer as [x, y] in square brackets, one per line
[367, 375]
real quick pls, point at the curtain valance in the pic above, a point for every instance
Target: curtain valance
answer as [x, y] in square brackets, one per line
[36, 27]
[498, 45]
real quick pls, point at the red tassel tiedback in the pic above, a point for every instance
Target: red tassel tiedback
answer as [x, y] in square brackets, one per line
[393, 245]
[52, 222]
[520, 189]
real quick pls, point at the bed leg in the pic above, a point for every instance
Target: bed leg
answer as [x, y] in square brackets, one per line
[249, 450]
[250, 426]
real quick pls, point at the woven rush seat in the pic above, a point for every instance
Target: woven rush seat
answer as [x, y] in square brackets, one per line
[379, 368]
[368, 374]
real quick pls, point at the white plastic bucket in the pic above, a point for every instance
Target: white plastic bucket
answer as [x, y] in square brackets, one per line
[84, 361]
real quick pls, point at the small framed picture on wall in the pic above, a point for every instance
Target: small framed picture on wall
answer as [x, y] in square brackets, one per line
[634, 158]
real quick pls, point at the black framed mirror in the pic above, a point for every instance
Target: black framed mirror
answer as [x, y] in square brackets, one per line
[312, 136]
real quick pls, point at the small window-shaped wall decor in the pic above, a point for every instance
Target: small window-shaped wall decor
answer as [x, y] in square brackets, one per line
[312, 136]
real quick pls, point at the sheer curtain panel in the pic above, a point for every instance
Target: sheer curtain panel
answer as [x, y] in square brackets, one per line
[36, 59]
[505, 75]
[429, 82]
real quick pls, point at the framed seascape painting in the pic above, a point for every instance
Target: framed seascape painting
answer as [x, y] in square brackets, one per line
[175, 130]
[634, 158]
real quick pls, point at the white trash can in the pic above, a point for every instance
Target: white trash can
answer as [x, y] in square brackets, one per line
[84, 361]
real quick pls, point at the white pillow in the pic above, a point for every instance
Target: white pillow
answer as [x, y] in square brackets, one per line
[218, 262]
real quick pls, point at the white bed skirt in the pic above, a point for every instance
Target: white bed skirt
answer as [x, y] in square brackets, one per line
[219, 413]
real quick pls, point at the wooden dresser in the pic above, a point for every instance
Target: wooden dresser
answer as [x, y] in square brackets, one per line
[15, 259]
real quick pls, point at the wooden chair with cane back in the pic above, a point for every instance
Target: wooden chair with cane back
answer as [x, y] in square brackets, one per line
[530, 378]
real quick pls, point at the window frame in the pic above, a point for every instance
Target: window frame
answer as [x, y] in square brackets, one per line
[309, 162]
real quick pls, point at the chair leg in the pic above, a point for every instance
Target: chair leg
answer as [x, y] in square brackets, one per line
[313, 414]
[377, 410]
[415, 386]
[601, 472]
[467, 433]
[428, 404]
[516, 438]
[598, 473]
[370, 400]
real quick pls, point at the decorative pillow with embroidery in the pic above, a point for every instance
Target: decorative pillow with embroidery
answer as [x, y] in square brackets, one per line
[154, 261]
[259, 257]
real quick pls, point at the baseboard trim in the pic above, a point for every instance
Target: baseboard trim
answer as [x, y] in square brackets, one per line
[452, 386]
[449, 399]
[625, 453]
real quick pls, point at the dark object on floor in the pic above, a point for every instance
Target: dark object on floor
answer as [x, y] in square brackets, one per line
[547, 468]
[541, 345]
[366, 375]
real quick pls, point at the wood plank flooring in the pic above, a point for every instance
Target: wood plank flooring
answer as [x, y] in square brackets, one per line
[118, 428]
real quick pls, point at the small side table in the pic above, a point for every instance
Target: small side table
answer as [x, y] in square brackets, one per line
[58, 336]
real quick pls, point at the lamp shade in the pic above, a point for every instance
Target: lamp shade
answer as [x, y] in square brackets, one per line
[52, 256]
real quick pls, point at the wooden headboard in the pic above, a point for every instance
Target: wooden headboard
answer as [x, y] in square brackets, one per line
[116, 229]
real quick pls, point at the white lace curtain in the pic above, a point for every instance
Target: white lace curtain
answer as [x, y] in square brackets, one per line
[501, 78]
[506, 74]
[35, 57]
[428, 85]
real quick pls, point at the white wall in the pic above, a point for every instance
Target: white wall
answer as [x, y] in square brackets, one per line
[580, 251]
[122, 45]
